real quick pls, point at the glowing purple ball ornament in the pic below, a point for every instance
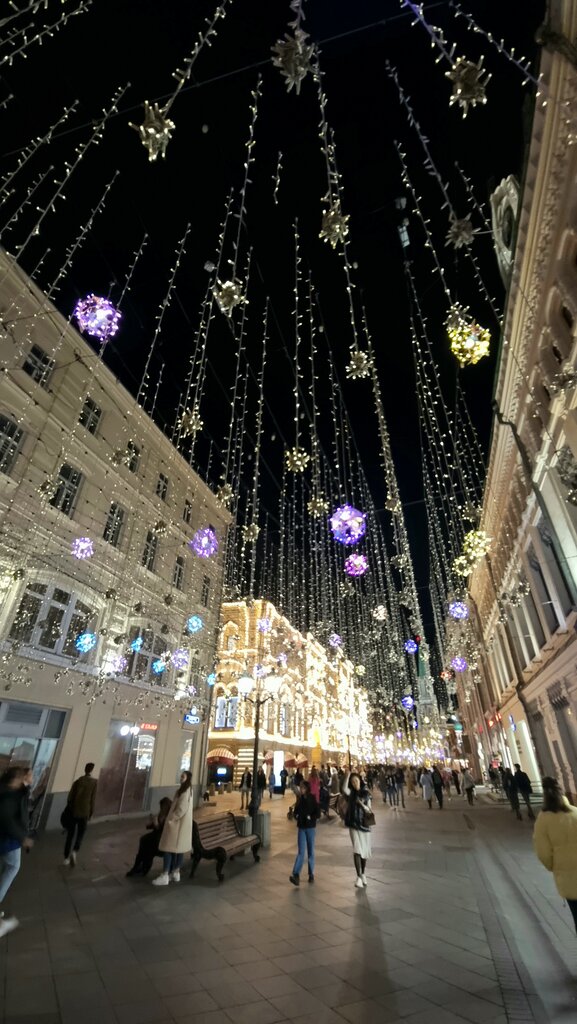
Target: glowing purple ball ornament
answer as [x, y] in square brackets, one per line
[264, 625]
[335, 640]
[179, 658]
[356, 565]
[97, 316]
[348, 525]
[411, 646]
[458, 610]
[459, 664]
[204, 543]
[408, 702]
[82, 547]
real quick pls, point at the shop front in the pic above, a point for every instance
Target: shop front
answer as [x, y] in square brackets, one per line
[30, 735]
[124, 775]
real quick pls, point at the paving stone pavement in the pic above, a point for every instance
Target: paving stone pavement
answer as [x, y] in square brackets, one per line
[458, 925]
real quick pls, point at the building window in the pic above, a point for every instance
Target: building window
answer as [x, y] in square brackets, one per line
[543, 594]
[10, 438]
[90, 416]
[178, 574]
[557, 570]
[285, 720]
[38, 365]
[67, 488]
[567, 316]
[162, 486]
[204, 595]
[51, 619]
[114, 524]
[145, 662]
[150, 549]
[132, 456]
[187, 511]
[226, 712]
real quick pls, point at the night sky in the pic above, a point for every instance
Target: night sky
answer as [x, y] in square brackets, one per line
[143, 42]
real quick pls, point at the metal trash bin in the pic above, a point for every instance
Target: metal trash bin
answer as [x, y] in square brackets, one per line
[244, 825]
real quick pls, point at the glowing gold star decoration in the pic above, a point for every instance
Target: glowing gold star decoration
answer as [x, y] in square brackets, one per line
[225, 494]
[380, 613]
[359, 366]
[228, 295]
[250, 533]
[476, 544]
[334, 225]
[360, 670]
[461, 232]
[297, 460]
[469, 341]
[190, 422]
[468, 83]
[317, 506]
[155, 131]
[292, 56]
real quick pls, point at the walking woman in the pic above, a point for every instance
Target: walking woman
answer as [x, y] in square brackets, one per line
[176, 838]
[555, 842]
[426, 783]
[359, 805]
[306, 813]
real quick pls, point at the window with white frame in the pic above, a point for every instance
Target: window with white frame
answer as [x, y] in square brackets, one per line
[132, 456]
[67, 487]
[114, 524]
[205, 591]
[178, 574]
[162, 486]
[38, 365]
[187, 511]
[149, 552]
[543, 595]
[226, 712]
[148, 658]
[51, 619]
[557, 570]
[10, 438]
[90, 416]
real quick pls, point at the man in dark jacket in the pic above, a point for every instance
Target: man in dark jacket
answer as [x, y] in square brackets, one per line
[14, 825]
[79, 810]
[437, 785]
[523, 786]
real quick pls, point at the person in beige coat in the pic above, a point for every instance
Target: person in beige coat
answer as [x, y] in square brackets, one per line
[555, 842]
[176, 838]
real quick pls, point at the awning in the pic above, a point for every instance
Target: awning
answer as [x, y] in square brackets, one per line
[220, 755]
[290, 760]
[268, 757]
[301, 761]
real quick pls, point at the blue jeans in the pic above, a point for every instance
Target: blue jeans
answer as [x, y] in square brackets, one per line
[172, 862]
[306, 844]
[9, 868]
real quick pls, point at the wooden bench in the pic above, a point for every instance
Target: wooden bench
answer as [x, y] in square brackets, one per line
[218, 839]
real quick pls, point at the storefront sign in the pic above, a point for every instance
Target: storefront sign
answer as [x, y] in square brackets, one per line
[149, 726]
[190, 719]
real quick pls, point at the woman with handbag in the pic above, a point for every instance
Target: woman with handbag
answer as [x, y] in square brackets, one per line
[176, 838]
[358, 820]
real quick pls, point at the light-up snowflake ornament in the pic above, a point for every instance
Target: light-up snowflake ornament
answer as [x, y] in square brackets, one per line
[335, 640]
[225, 494]
[459, 664]
[356, 565]
[461, 232]
[250, 533]
[190, 422]
[317, 506]
[194, 624]
[228, 295]
[137, 644]
[380, 613]
[360, 671]
[469, 83]
[293, 56]
[359, 366]
[97, 317]
[85, 642]
[264, 625]
[297, 460]
[348, 524]
[155, 131]
[334, 225]
[204, 543]
[179, 658]
[82, 547]
[469, 341]
[458, 610]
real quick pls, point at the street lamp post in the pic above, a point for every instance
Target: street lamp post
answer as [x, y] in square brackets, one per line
[262, 690]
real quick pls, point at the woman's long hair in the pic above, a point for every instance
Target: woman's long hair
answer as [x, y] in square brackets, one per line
[553, 798]
[184, 785]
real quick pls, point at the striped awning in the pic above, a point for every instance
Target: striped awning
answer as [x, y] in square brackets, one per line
[267, 757]
[301, 761]
[290, 760]
[220, 755]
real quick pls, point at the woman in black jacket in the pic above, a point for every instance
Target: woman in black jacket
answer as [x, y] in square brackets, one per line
[306, 813]
[148, 843]
[14, 828]
[359, 804]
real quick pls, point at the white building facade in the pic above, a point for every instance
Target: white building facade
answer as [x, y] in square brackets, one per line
[107, 614]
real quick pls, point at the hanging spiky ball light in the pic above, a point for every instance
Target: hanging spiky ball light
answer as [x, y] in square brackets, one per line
[228, 295]
[459, 664]
[97, 317]
[469, 341]
[359, 366]
[348, 525]
[250, 533]
[179, 658]
[379, 613]
[190, 422]
[225, 494]
[411, 646]
[293, 57]
[155, 130]
[297, 460]
[356, 565]
[317, 506]
[82, 547]
[335, 640]
[334, 225]
[469, 83]
[458, 610]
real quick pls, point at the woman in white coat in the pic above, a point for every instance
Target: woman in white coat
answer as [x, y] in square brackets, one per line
[176, 838]
[426, 782]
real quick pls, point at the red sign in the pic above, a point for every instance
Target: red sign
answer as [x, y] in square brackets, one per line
[148, 726]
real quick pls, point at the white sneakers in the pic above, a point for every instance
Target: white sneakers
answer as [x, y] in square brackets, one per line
[359, 883]
[175, 876]
[8, 924]
[162, 879]
[66, 862]
[364, 879]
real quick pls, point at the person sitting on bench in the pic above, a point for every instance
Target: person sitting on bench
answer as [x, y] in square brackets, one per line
[148, 843]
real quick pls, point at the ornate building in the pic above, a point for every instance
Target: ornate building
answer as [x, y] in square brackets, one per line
[524, 593]
[321, 713]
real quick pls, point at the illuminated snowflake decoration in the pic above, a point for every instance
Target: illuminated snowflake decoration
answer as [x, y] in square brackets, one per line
[335, 640]
[155, 131]
[228, 295]
[469, 83]
[317, 506]
[359, 366]
[194, 624]
[204, 543]
[119, 664]
[48, 489]
[360, 671]
[458, 610]
[411, 646]
[85, 642]
[356, 565]
[97, 317]
[334, 225]
[250, 533]
[348, 524]
[190, 422]
[179, 658]
[408, 702]
[137, 644]
[380, 613]
[225, 494]
[82, 547]
[160, 528]
[461, 232]
[293, 56]
[211, 679]
[297, 460]
[459, 664]
[475, 546]
[264, 625]
[282, 660]
[158, 666]
[469, 341]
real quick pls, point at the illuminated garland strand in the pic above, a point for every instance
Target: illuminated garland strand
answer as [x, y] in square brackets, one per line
[253, 516]
[47, 31]
[31, 191]
[522, 64]
[29, 151]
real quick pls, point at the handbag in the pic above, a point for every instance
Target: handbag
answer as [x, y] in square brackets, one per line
[368, 819]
